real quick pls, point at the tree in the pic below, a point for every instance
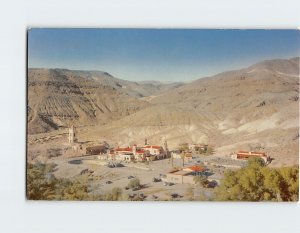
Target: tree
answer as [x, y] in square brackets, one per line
[202, 181]
[134, 183]
[256, 182]
[209, 150]
[114, 195]
[43, 185]
[69, 190]
[190, 193]
[183, 147]
[40, 184]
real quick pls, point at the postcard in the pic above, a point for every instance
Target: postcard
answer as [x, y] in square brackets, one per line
[162, 115]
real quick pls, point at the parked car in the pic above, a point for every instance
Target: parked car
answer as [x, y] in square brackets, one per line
[131, 177]
[212, 184]
[131, 195]
[168, 183]
[156, 179]
[85, 171]
[154, 196]
[141, 195]
[174, 195]
[108, 182]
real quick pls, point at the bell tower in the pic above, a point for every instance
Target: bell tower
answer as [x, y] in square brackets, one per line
[72, 134]
[166, 149]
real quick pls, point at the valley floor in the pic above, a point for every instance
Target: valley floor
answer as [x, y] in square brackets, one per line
[71, 168]
[49, 148]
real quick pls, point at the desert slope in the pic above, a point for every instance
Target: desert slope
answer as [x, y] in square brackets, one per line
[58, 98]
[255, 108]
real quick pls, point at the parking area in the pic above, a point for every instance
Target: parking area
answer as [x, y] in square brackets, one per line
[102, 178]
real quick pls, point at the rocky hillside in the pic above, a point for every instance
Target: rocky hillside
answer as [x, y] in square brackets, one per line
[58, 98]
[255, 108]
[134, 89]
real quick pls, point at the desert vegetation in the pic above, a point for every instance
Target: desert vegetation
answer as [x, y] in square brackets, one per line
[208, 150]
[43, 185]
[257, 182]
[202, 181]
[134, 184]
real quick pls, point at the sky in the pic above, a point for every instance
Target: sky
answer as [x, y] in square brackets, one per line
[158, 54]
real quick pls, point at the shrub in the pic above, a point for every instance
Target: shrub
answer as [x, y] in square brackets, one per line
[134, 183]
[256, 182]
[114, 195]
[202, 181]
[43, 185]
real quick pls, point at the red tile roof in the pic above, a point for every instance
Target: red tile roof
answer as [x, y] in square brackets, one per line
[154, 147]
[140, 151]
[123, 149]
[196, 168]
[252, 153]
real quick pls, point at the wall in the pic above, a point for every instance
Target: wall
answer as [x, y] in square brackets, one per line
[188, 180]
[174, 178]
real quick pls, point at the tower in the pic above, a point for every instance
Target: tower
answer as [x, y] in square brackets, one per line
[72, 134]
[134, 149]
[166, 145]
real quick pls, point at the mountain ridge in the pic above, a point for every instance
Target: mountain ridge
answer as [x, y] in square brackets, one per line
[254, 108]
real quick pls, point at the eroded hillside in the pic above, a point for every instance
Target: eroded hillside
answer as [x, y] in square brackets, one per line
[58, 98]
[255, 108]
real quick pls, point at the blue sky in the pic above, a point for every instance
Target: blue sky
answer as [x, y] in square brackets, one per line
[158, 54]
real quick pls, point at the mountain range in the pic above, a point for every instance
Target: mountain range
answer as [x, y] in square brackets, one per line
[254, 108]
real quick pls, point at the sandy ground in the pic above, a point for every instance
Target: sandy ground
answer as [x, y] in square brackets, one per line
[71, 168]
[48, 148]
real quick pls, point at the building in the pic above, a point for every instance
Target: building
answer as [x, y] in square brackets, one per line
[135, 153]
[140, 154]
[196, 169]
[185, 175]
[176, 154]
[96, 150]
[198, 147]
[186, 155]
[245, 155]
[72, 134]
[123, 154]
[153, 150]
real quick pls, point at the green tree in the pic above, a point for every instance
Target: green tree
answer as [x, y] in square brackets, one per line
[202, 181]
[114, 195]
[256, 182]
[190, 193]
[209, 150]
[134, 183]
[183, 147]
[43, 185]
[40, 182]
